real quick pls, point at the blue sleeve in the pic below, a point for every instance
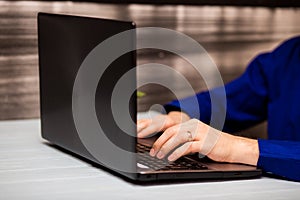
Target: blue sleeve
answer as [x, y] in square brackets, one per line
[248, 103]
[281, 154]
[246, 99]
[280, 158]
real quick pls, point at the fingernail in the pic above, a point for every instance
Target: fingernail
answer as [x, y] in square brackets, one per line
[152, 152]
[160, 155]
[171, 158]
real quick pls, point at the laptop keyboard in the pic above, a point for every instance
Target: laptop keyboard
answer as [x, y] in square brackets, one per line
[182, 163]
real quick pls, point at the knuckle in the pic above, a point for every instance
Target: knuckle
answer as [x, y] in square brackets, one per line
[167, 147]
[167, 133]
[156, 145]
[182, 138]
[176, 128]
[194, 120]
[163, 149]
[170, 131]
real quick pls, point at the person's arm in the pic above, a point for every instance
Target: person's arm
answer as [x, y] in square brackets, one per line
[247, 96]
[280, 158]
[194, 136]
[246, 99]
[247, 104]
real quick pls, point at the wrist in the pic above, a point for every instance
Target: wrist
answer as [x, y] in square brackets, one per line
[244, 150]
[234, 149]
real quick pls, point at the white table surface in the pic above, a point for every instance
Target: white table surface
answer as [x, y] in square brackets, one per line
[30, 169]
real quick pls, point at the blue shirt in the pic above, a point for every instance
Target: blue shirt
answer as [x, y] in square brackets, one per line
[268, 90]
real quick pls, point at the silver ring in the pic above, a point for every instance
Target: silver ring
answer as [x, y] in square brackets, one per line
[190, 136]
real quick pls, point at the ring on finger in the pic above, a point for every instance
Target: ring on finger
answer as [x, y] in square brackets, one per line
[190, 136]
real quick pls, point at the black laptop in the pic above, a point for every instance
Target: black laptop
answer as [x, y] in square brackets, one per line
[64, 42]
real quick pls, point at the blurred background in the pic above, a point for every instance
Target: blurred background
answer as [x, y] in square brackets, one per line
[232, 32]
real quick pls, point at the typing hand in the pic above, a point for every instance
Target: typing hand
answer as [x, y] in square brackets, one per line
[193, 136]
[149, 127]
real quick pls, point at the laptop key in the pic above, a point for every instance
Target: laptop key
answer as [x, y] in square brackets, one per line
[160, 164]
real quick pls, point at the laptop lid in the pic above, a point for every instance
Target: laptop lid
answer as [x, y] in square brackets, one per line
[64, 44]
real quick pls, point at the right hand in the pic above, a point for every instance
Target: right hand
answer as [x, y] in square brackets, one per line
[148, 127]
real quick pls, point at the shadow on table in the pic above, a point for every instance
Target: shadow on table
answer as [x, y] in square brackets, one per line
[142, 183]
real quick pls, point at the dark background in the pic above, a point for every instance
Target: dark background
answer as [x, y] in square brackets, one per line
[232, 35]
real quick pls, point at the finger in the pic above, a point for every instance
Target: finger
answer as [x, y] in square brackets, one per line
[186, 148]
[173, 142]
[143, 123]
[156, 125]
[162, 139]
[148, 131]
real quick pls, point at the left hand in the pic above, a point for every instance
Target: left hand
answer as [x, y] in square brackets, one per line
[190, 137]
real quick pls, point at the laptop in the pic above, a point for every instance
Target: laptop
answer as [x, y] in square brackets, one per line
[64, 43]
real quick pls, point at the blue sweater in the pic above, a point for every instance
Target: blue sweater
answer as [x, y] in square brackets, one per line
[268, 90]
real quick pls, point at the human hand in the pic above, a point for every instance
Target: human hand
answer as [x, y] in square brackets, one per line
[194, 136]
[148, 127]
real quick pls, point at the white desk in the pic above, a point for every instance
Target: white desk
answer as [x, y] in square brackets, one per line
[30, 169]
